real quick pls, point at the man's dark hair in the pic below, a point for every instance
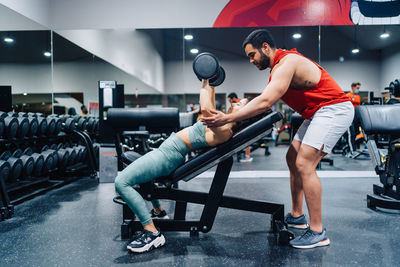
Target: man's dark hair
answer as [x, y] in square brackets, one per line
[232, 95]
[83, 106]
[354, 84]
[258, 37]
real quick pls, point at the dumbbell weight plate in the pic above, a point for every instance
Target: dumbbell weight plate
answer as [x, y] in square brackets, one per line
[4, 170]
[219, 79]
[51, 125]
[11, 126]
[2, 126]
[42, 126]
[16, 165]
[205, 66]
[33, 126]
[23, 128]
[39, 163]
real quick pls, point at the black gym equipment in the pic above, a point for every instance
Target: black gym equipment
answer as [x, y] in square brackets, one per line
[6, 209]
[16, 166]
[206, 66]
[221, 155]
[28, 163]
[11, 125]
[376, 120]
[38, 160]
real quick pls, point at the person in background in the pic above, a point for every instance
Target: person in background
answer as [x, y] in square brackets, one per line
[355, 100]
[354, 94]
[84, 110]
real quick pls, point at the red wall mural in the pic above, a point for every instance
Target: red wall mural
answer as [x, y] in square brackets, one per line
[245, 13]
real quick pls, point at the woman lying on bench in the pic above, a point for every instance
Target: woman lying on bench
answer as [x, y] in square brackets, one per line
[163, 161]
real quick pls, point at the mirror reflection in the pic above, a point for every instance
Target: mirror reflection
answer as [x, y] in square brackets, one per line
[25, 66]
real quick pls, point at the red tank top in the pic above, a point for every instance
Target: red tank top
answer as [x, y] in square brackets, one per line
[307, 102]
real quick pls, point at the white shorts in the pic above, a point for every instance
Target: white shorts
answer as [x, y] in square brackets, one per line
[326, 126]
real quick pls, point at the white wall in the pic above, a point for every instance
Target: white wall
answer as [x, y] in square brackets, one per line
[130, 50]
[106, 14]
[68, 77]
[368, 73]
[13, 21]
[36, 10]
[390, 69]
[26, 78]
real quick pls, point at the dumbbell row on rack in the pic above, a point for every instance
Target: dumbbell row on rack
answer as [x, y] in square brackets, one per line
[25, 164]
[20, 125]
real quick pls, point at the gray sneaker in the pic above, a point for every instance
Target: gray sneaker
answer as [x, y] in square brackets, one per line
[310, 239]
[296, 222]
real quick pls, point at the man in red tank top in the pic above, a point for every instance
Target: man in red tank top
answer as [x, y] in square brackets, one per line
[308, 89]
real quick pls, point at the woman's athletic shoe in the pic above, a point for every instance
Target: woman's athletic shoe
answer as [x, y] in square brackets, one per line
[146, 241]
[159, 215]
[296, 222]
[310, 239]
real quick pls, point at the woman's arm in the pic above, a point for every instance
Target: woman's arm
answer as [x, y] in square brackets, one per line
[207, 98]
[217, 135]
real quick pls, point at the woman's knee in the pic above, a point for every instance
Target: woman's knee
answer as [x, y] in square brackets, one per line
[122, 182]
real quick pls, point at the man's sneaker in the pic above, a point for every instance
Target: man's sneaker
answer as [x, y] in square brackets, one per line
[159, 215]
[246, 159]
[296, 222]
[310, 239]
[146, 241]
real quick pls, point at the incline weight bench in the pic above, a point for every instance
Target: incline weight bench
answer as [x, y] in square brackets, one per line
[378, 120]
[221, 155]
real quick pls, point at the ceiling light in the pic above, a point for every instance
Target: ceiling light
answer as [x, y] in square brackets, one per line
[355, 50]
[47, 54]
[384, 35]
[188, 37]
[194, 50]
[25, 93]
[8, 40]
[296, 36]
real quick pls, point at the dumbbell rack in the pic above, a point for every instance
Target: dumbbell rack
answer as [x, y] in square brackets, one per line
[18, 192]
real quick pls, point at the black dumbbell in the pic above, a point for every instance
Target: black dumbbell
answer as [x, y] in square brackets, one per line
[47, 151]
[33, 124]
[4, 170]
[72, 155]
[23, 124]
[63, 155]
[28, 163]
[58, 125]
[51, 125]
[42, 129]
[2, 126]
[82, 123]
[69, 125]
[83, 153]
[206, 66]
[16, 165]
[38, 161]
[10, 125]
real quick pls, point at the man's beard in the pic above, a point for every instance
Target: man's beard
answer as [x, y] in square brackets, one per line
[264, 61]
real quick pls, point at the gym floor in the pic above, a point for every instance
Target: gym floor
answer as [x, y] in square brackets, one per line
[79, 225]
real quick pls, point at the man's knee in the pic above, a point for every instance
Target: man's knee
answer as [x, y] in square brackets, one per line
[291, 156]
[303, 167]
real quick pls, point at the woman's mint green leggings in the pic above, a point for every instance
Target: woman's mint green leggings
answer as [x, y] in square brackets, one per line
[159, 162]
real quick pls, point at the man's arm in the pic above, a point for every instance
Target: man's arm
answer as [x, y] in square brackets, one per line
[276, 88]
